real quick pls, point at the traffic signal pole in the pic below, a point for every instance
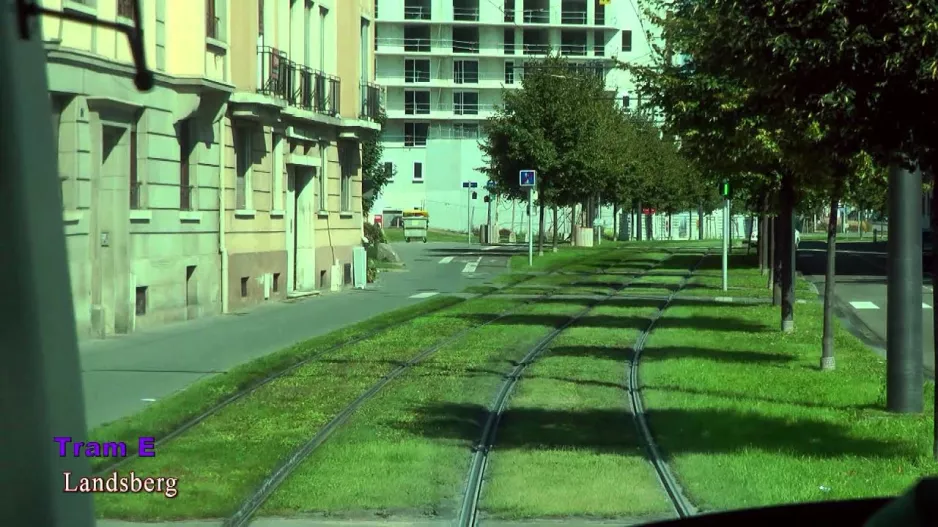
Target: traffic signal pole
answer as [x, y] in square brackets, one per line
[725, 192]
[530, 230]
[726, 242]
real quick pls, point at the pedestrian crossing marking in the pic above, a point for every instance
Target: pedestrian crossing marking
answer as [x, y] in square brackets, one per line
[446, 259]
[863, 305]
[426, 294]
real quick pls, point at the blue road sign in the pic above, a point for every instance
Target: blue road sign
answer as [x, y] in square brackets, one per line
[469, 184]
[528, 178]
[490, 185]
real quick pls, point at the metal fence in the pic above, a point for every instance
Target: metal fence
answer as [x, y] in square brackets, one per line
[300, 86]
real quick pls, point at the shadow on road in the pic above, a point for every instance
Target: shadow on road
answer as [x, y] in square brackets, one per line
[857, 262]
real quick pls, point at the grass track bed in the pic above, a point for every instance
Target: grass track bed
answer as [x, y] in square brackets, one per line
[567, 445]
[406, 452]
[163, 416]
[749, 420]
[224, 458]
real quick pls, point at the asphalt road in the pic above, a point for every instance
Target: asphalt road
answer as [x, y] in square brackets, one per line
[860, 292]
[122, 375]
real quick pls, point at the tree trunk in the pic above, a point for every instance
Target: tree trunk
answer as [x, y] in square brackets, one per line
[934, 312]
[540, 233]
[669, 225]
[752, 229]
[554, 233]
[788, 252]
[827, 340]
[700, 222]
[690, 225]
[639, 222]
[764, 236]
[772, 259]
[615, 221]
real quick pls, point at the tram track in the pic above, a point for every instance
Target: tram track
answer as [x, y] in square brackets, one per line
[249, 507]
[358, 339]
[468, 513]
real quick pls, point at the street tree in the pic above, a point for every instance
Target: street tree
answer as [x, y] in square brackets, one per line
[375, 173]
[862, 71]
[556, 124]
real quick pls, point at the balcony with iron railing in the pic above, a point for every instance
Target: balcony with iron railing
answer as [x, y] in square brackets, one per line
[536, 48]
[418, 44]
[466, 46]
[417, 10]
[298, 85]
[536, 16]
[125, 9]
[185, 197]
[573, 17]
[136, 190]
[509, 15]
[466, 10]
[212, 26]
[371, 101]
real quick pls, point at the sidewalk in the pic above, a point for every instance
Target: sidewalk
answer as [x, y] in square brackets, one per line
[123, 374]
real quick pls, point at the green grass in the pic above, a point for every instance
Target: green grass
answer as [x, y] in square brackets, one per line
[567, 445]
[416, 437]
[741, 410]
[564, 257]
[748, 420]
[221, 460]
[165, 415]
[433, 235]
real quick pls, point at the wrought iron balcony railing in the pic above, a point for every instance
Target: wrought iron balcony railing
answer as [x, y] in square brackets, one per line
[417, 12]
[298, 85]
[125, 8]
[371, 101]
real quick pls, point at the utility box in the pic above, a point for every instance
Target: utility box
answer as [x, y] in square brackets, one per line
[359, 267]
[583, 237]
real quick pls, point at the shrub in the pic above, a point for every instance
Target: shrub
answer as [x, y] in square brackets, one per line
[374, 234]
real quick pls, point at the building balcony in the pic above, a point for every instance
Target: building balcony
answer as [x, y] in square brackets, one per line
[371, 101]
[125, 9]
[297, 85]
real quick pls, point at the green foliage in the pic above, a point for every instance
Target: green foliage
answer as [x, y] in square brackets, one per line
[375, 174]
[565, 125]
[374, 234]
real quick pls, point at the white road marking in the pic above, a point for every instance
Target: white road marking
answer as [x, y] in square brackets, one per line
[925, 306]
[864, 305]
[426, 294]
[471, 266]
[148, 400]
[724, 299]
[446, 259]
[490, 247]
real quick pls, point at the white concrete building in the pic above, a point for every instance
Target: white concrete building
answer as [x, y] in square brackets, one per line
[444, 65]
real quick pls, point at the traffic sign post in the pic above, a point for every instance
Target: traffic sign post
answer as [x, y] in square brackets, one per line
[528, 178]
[725, 192]
[469, 185]
[490, 187]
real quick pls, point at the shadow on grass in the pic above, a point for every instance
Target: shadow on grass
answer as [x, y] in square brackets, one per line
[687, 431]
[716, 355]
[756, 397]
[709, 323]
[592, 321]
